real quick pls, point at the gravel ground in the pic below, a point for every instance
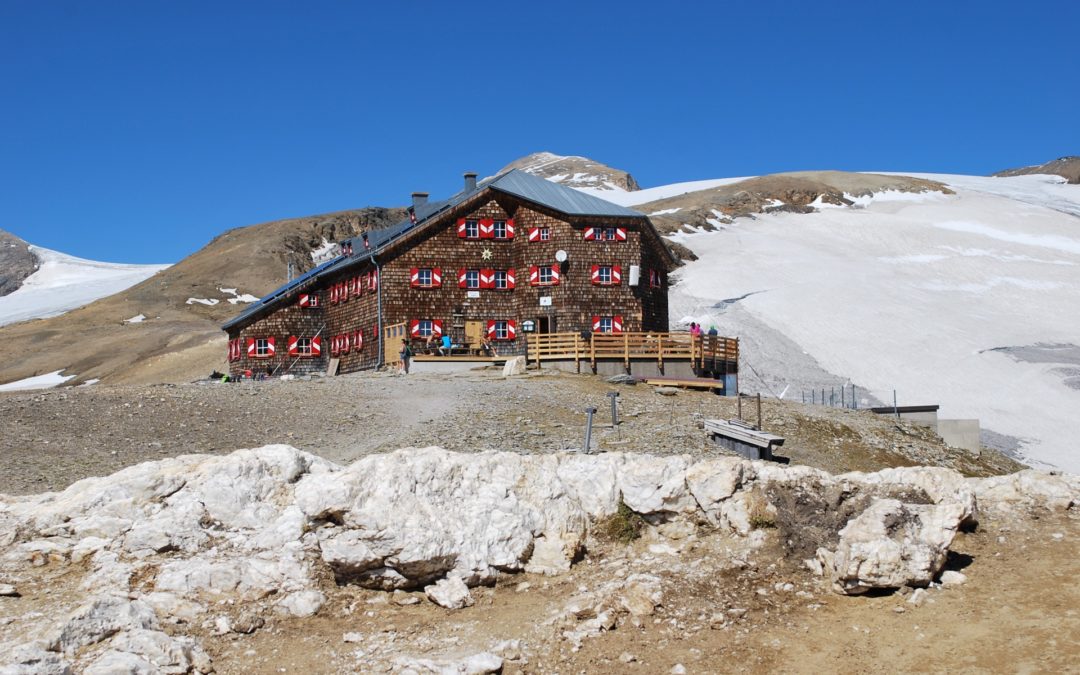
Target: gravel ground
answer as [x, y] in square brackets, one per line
[50, 439]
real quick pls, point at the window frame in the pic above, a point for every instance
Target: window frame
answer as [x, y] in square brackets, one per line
[421, 272]
[262, 348]
[545, 234]
[607, 324]
[502, 329]
[472, 279]
[501, 281]
[303, 346]
[425, 328]
[541, 281]
[600, 270]
[472, 228]
[496, 226]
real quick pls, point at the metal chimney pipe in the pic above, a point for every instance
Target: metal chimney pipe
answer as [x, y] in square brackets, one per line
[419, 199]
[470, 181]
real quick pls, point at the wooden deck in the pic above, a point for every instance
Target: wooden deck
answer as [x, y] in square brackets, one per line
[703, 352]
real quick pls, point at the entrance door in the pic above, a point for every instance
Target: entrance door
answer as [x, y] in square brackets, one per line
[474, 333]
[545, 324]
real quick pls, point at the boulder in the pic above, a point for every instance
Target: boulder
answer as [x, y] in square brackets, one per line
[451, 593]
[302, 603]
[515, 365]
[891, 545]
[33, 659]
[1028, 488]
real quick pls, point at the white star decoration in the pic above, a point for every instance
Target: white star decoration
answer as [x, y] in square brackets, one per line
[486, 254]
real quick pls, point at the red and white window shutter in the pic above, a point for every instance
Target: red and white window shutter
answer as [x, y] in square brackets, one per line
[534, 234]
[511, 279]
[436, 277]
[616, 275]
[555, 275]
[461, 232]
[414, 328]
[463, 278]
[414, 277]
[595, 275]
[316, 346]
[511, 330]
[590, 234]
[487, 278]
[294, 345]
[344, 343]
[436, 327]
[270, 349]
[509, 228]
[534, 275]
[358, 339]
[487, 228]
[616, 324]
[620, 234]
[251, 348]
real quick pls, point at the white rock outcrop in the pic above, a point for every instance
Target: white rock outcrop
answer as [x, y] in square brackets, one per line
[261, 527]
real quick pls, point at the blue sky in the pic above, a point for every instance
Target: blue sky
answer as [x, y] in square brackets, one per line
[138, 131]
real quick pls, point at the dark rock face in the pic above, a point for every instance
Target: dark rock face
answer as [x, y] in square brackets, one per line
[16, 262]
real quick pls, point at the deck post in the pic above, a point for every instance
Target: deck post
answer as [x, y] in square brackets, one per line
[592, 354]
[626, 351]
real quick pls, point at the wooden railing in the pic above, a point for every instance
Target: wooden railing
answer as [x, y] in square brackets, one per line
[703, 351]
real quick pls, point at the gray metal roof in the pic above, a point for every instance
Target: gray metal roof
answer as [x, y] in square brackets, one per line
[559, 197]
[515, 182]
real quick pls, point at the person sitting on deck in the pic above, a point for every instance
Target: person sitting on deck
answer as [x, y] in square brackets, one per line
[712, 331]
[445, 346]
[488, 348]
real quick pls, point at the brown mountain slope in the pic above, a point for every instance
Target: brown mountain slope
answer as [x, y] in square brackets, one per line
[573, 171]
[791, 192]
[16, 262]
[177, 341]
[1066, 167]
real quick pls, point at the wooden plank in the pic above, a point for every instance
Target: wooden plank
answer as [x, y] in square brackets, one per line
[690, 383]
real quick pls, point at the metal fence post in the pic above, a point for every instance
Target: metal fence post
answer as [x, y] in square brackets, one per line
[590, 411]
[614, 408]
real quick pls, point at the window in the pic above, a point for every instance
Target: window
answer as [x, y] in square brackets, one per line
[303, 346]
[500, 229]
[264, 348]
[420, 329]
[604, 234]
[425, 277]
[472, 278]
[606, 275]
[543, 275]
[472, 229]
[607, 324]
[545, 234]
[655, 280]
[539, 234]
[500, 280]
[501, 330]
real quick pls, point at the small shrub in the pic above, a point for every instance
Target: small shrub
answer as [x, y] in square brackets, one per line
[624, 526]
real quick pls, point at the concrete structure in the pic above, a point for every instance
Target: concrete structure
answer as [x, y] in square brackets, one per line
[960, 433]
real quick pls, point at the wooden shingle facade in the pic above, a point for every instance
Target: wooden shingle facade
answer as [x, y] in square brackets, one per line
[512, 253]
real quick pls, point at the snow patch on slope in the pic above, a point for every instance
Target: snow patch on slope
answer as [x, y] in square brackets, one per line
[964, 276]
[46, 381]
[63, 283]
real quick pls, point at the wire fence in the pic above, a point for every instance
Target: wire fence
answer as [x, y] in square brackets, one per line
[844, 396]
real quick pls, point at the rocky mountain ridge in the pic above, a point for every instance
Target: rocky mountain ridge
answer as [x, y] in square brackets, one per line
[574, 171]
[1066, 167]
[16, 262]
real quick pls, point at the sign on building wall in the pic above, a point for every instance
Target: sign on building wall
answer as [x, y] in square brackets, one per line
[545, 301]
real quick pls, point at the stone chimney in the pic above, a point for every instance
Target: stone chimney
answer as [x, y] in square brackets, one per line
[419, 199]
[470, 181]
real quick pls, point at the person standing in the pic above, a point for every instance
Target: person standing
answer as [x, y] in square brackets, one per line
[695, 329]
[405, 355]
